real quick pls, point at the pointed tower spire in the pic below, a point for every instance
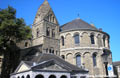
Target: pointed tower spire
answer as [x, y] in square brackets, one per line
[45, 22]
[42, 11]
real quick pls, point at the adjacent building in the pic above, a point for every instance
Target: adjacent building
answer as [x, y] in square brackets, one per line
[117, 68]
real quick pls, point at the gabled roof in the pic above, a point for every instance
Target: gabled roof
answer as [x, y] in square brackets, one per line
[77, 24]
[23, 66]
[44, 62]
[50, 65]
[58, 60]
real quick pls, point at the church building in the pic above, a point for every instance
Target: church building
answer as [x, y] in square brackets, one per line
[74, 50]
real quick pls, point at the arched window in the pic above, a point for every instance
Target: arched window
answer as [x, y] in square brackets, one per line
[50, 17]
[22, 77]
[52, 76]
[78, 60]
[39, 76]
[48, 31]
[18, 77]
[47, 50]
[99, 40]
[63, 76]
[53, 32]
[92, 39]
[76, 39]
[53, 19]
[37, 33]
[28, 76]
[104, 37]
[94, 60]
[50, 51]
[63, 57]
[26, 44]
[62, 38]
[56, 52]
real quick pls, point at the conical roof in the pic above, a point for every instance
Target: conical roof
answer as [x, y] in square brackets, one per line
[77, 24]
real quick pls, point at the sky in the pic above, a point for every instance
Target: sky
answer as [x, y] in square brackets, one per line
[103, 14]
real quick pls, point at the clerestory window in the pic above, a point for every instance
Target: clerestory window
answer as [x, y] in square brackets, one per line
[76, 39]
[104, 37]
[92, 39]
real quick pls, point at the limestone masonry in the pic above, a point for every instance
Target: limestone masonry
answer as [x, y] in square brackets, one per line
[74, 50]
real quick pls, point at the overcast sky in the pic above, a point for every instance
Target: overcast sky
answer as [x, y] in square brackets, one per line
[104, 14]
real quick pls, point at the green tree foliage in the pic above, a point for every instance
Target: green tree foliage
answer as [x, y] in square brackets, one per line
[12, 30]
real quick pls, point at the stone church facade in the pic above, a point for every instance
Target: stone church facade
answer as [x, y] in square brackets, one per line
[76, 42]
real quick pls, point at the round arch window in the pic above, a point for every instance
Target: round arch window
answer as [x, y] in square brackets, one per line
[28, 76]
[18, 77]
[63, 57]
[63, 76]
[52, 76]
[39, 76]
[22, 77]
[78, 60]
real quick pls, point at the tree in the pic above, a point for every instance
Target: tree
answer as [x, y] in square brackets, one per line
[12, 31]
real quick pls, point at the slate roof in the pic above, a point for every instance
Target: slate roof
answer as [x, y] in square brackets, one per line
[46, 57]
[116, 63]
[29, 52]
[77, 24]
[29, 63]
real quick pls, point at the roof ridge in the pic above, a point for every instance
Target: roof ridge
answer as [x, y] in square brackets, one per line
[62, 60]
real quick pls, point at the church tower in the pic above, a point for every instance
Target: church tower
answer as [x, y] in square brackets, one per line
[45, 29]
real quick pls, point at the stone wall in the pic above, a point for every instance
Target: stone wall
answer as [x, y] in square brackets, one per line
[44, 74]
[117, 70]
[85, 49]
[50, 42]
[84, 37]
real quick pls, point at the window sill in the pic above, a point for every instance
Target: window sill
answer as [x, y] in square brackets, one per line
[95, 66]
[77, 44]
